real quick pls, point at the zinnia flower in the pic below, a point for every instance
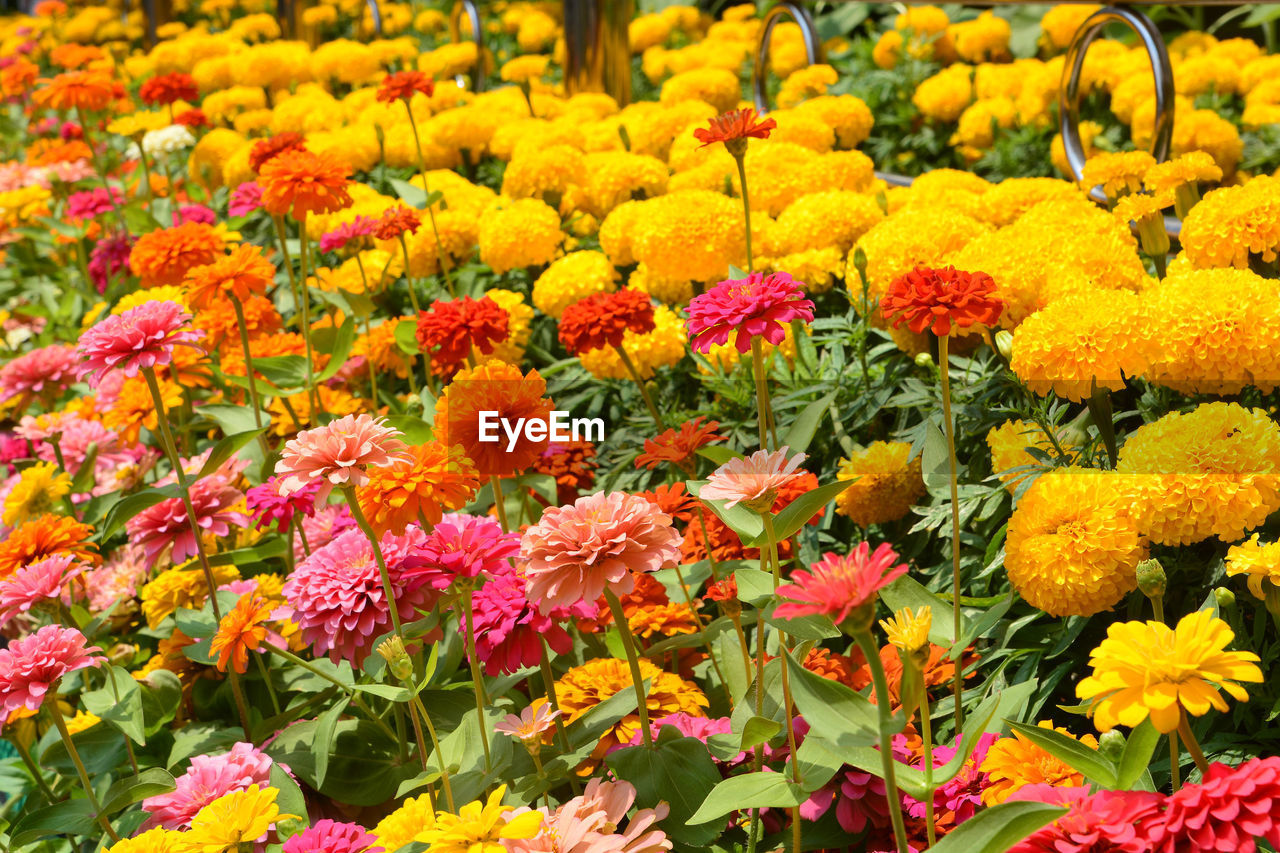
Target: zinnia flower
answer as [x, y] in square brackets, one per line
[244, 273]
[1110, 821]
[242, 630]
[36, 583]
[38, 490]
[163, 256]
[492, 387]
[755, 306]
[837, 586]
[1226, 812]
[45, 370]
[752, 480]
[463, 546]
[510, 629]
[31, 666]
[270, 507]
[678, 446]
[140, 338]
[330, 836]
[265, 150]
[455, 330]
[1013, 763]
[940, 299]
[43, 537]
[576, 552]
[245, 199]
[166, 89]
[109, 258]
[207, 778]
[338, 454]
[1147, 669]
[346, 233]
[529, 725]
[403, 84]
[76, 90]
[733, 129]
[603, 319]
[166, 524]
[395, 222]
[240, 817]
[480, 827]
[299, 182]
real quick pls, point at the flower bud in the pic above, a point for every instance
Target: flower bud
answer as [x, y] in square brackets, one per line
[924, 359]
[1111, 744]
[1152, 579]
[1004, 344]
[1224, 597]
[393, 652]
[860, 261]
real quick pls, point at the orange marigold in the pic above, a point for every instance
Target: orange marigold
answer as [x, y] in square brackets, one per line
[434, 479]
[45, 536]
[244, 273]
[299, 182]
[166, 255]
[492, 387]
[242, 630]
[76, 90]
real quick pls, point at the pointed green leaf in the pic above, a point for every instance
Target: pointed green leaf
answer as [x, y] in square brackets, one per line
[324, 737]
[676, 770]
[998, 828]
[764, 790]
[134, 789]
[805, 426]
[843, 716]
[797, 513]
[1136, 757]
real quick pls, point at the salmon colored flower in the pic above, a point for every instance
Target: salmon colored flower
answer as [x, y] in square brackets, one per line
[140, 338]
[402, 85]
[299, 182]
[733, 129]
[529, 724]
[940, 299]
[492, 387]
[30, 667]
[455, 330]
[244, 273]
[752, 480]
[340, 453]
[76, 90]
[836, 586]
[755, 306]
[166, 89]
[242, 630]
[603, 319]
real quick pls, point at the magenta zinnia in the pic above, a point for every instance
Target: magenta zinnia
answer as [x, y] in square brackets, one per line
[140, 338]
[836, 586]
[755, 306]
[166, 524]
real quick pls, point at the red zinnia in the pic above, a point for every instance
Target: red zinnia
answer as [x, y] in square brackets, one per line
[169, 89]
[1225, 812]
[602, 319]
[402, 85]
[1112, 821]
[451, 329]
[837, 586]
[936, 299]
[192, 118]
[265, 149]
[733, 128]
[396, 221]
[678, 446]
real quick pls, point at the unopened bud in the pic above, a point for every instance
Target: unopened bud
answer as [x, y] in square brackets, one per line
[1225, 598]
[393, 652]
[1151, 579]
[1111, 744]
[860, 260]
[924, 359]
[1004, 344]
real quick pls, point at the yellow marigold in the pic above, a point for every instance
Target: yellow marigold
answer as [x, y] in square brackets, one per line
[809, 82]
[983, 39]
[836, 218]
[817, 268]
[667, 619]
[1059, 25]
[1213, 471]
[1260, 562]
[523, 233]
[163, 293]
[885, 483]
[1118, 173]
[448, 60]
[909, 238]
[1147, 669]
[1217, 331]
[1014, 762]
[584, 687]
[135, 408]
[524, 69]
[1010, 442]
[716, 86]
[537, 31]
[546, 174]
[136, 124]
[646, 31]
[400, 827]
[671, 291]
[1205, 130]
[519, 316]
[573, 277]
[776, 176]
[887, 49]
[662, 347]
[1084, 340]
[695, 234]
[39, 490]
[1231, 223]
[333, 401]
[944, 96]
[536, 133]
[1206, 74]
[848, 116]
[225, 104]
[435, 478]
[613, 177]
[1073, 542]
[181, 586]
[976, 130]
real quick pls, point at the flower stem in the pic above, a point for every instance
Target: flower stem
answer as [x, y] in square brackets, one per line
[957, 685]
[926, 733]
[34, 769]
[644, 392]
[498, 504]
[1193, 745]
[762, 391]
[637, 680]
[746, 207]
[477, 677]
[706, 644]
[266, 679]
[56, 713]
[356, 699]
[872, 655]
[248, 369]
[435, 746]
[771, 537]
[549, 680]
[1174, 761]
[313, 399]
[441, 257]
[238, 693]
[358, 514]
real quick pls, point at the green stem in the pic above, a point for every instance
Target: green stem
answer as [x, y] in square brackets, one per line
[498, 503]
[358, 514]
[435, 746]
[477, 677]
[746, 208]
[266, 678]
[550, 682]
[34, 769]
[355, 697]
[872, 655]
[441, 257]
[957, 685]
[644, 392]
[926, 733]
[303, 262]
[56, 713]
[1193, 745]
[633, 661]
[706, 644]
[1174, 760]
[241, 708]
[762, 390]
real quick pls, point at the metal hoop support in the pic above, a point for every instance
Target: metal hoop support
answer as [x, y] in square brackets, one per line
[1069, 94]
[376, 14]
[472, 11]
[597, 48]
[812, 46]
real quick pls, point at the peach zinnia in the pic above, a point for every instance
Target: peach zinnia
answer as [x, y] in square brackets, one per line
[753, 480]
[574, 553]
[299, 182]
[338, 454]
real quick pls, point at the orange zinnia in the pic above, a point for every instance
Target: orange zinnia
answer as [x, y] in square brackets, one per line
[733, 128]
[76, 90]
[71, 56]
[265, 150]
[302, 182]
[403, 84]
[492, 387]
[166, 255]
[241, 631]
[47, 152]
[436, 478]
[397, 221]
[18, 78]
[242, 274]
[939, 299]
[43, 537]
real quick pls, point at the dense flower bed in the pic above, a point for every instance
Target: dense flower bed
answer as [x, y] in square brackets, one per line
[888, 518]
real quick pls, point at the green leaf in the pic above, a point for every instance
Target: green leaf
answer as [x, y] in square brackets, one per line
[161, 697]
[232, 419]
[121, 706]
[73, 817]
[127, 507]
[364, 763]
[741, 520]
[199, 738]
[1136, 757]
[416, 431]
[84, 481]
[324, 737]
[815, 627]
[908, 592]
[998, 828]
[337, 343]
[1095, 766]
[134, 789]
[226, 448]
[290, 800]
[718, 453]
[755, 587]
[759, 730]
[676, 770]
[407, 337]
[819, 762]
[765, 789]
[413, 196]
[804, 427]
[843, 716]
[797, 513]
[284, 371]
[935, 463]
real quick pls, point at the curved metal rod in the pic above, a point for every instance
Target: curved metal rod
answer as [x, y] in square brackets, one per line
[472, 12]
[1069, 94]
[376, 14]
[812, 46]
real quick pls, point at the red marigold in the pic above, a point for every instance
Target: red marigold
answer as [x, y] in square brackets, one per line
[733, 129]
[937, 299]
[266, 149]
[602, 319]
[397, 221]
[1225, 812]
[403, 84]
[169, 89]
[678, 446]
[573, 465]
[301, 182]
[192, 118]
[451, 329]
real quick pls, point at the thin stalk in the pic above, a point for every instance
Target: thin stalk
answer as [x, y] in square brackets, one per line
[706, 644]
[241, 707]
[1174, 760]
[355, 697]
[550, 683]
[957, 685]
[248, 369]
[34, 769]
[762, 390]
[303, 251]
[742, 641]
[56, 713]
[417, 736]
[872, 655]
[771, 537]
[644, 392]
[1193, 745]
[128, 743]
[926, 733]
[746, 207]
[408, 279]
[358, 514]
[477, 677]
[435, 746]
[633, 661]
[498, 503]
[441, 257]
[266, 679]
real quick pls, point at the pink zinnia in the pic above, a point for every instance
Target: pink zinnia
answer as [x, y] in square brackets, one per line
[166, 524]
[245, 199]
[322, 527]
[336, 596]
[355, 230]
[962, 795]
[194, 213]
[270, 507]
[510, 628]
[1105, 822]
[575, 552]
[208, 778]
[688, 725]
[36, 583]
[140, 338]
[117, 580]
[50, 368]
[836, 585]
[591, 823]
[109, 258]
[338, 454]
[329, 836]
[753, 480]
[30, 667]
[859, 799]
[755, 306]
[87, 204]
[463, 546]
[1225, 812]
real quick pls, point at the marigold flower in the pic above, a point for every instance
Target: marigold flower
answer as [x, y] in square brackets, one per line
[885, 482]
[339, 453]
[755, 306]
[90, 91]
[753, 480]
[402, 85]
[492, 387]
[244, 273]
[242, 630]
[1147, 669]
[603, 319]
[139, 339]
[39, 490]
[677, 447]
[940, 299]
[31, 666]
[734, 128]
[299, 182]
[165, 89]
[265, 150]
[837, 586]
[455, 331]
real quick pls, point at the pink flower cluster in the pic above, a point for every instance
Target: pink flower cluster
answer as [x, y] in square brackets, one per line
[208, 778]
[755, 306]
[50, 369]
[141, 337]
[270, 507]
[31, 666]
[166, 524]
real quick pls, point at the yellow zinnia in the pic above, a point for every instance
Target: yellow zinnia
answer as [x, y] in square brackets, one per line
[1149, 669]
[480, 827]
[232, 819]
[39, 489]
[908, 630]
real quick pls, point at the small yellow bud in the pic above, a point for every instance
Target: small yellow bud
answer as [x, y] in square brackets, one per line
[393, 652]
